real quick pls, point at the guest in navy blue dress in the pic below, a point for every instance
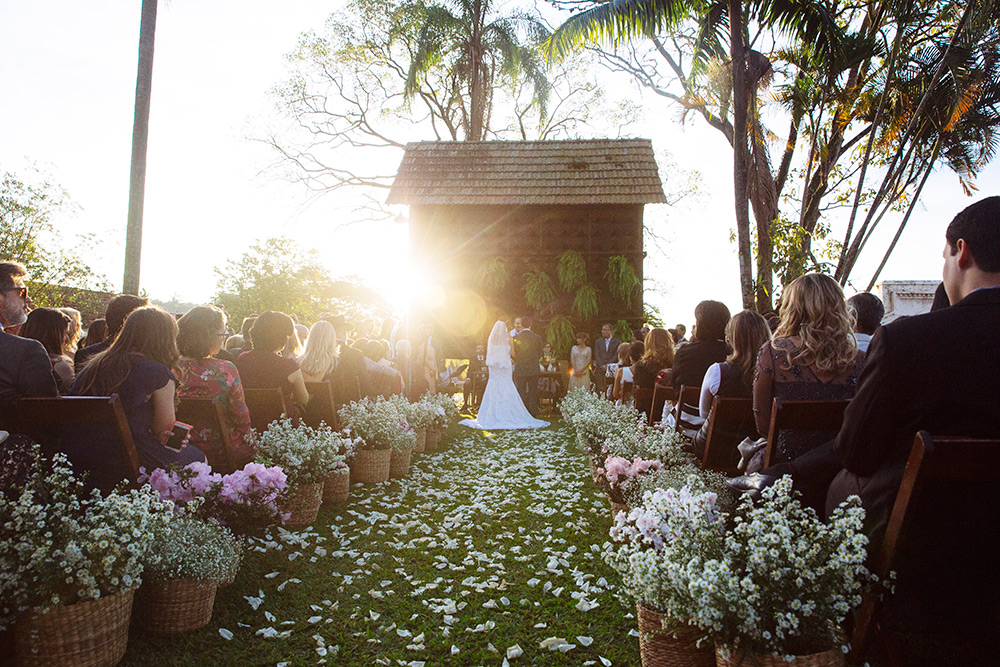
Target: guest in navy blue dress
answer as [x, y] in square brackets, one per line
[138, 367]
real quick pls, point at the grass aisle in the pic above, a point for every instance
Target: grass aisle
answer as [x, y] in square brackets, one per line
[491, 542]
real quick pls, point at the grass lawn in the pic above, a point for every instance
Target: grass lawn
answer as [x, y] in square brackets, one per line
[491, 542]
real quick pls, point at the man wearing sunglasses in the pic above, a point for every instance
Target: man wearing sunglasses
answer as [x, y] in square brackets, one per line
[25, 369]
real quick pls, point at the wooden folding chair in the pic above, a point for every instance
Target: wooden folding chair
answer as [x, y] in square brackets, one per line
[265, 406]
[642, 400]
[71, 424]
[730, 421]
[321, 408]
[963, 471]
[690, 398]
[825, 415]
[661, 394]
[206, 413]
[627, 392]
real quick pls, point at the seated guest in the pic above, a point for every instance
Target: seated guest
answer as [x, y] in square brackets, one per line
[25, 369]
[234, 344]
[96, 333]
[658, 358]
[386, 380]
[868, 312]
[351, 381]
[548, 385]
[621, 361]
[624, 378]
[137, 366]
[746, 332]
[293, 348]
[118, 309]
[708, 347]
[263, 368]
[386, 359]
[200, 335]
[401, 362]
[682, 332]
[318, 360]
[812, 357]
[71, 344]
[51, 328]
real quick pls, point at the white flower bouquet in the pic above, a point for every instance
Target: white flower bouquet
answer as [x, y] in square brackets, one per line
[617, 472]
[448, 409]
[381, 424]
[306, 455]
[59, 548]
[422, 414]
[189, 547]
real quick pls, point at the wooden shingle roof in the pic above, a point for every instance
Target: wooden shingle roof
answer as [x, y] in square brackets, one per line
[593, 171]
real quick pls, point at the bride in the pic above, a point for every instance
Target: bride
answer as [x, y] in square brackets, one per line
[501, 407]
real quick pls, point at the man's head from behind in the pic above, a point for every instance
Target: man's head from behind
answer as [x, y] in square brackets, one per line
[526, 321]
[972, 254]
[868, 312]
[13, 294]
[120, 308]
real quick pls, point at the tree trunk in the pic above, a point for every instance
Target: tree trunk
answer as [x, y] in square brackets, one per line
[740, 152]
[140, 136]
[476, 106]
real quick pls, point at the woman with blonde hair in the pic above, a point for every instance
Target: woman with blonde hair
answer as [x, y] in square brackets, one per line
[319, 359]
[813, 357]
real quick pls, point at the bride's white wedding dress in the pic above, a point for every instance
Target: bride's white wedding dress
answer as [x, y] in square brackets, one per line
[502, 407]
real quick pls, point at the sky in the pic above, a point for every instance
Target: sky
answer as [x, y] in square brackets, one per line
[68, 72]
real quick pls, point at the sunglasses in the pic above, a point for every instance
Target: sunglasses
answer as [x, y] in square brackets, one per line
[21, 292]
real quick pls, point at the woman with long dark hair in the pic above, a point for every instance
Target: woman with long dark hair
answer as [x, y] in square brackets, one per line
[51, 328]
[139, 367]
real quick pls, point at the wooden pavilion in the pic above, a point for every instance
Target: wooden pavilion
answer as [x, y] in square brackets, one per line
[524, 203]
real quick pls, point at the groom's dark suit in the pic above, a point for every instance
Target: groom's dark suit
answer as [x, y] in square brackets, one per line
[527, 352]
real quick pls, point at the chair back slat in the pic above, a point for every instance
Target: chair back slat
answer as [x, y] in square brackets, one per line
[661, 394]
[689, 398]
[937, 468]
[321, 407]
[825, 415]
[729, 420]
[642, 400]
[206, 413]
[627, 392]
[265, 406]
[53, 422]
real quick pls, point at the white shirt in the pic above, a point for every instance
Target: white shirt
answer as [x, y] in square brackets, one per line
[709, 388]
[863, 341]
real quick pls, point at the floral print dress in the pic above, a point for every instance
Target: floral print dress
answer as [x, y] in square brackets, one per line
[220, 381]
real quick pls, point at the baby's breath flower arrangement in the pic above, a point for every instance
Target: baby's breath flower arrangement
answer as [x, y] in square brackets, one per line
[783, 580]
[381, 424]
[59, 548]
[678, 477]
[422, 414]
[189, 547]
[305, 455]
[442, 407]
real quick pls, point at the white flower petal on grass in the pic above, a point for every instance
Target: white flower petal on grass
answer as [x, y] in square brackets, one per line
[454, 650]
[604, 661]
[374, 615]
[585, 641]
[539, 626]
[514, 651]
[314, 619]
[633, 633]
[269, 616]
[565, 648]
[226, 634]
[553, 643]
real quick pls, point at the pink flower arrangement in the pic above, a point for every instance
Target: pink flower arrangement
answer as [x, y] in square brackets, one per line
[246, 501]
[617, 472]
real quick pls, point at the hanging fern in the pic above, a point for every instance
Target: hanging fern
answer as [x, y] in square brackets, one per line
[621, 277]
[585, 302]
[572, 270]
[559, 333]
[493, 275]
[538, 288]
[623, 331]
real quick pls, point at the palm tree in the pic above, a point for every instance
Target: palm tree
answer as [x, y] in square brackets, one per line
[476, 47]
[140, 137]
[722, 30]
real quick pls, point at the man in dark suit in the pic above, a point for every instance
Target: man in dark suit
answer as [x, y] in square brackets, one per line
[25, 369]
[527, 353]
[118, 309]
[605, 352]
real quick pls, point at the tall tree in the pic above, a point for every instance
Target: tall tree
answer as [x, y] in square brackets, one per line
[722, 28]
[140, 140]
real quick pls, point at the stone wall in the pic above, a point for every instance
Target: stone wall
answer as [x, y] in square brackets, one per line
[906, 297]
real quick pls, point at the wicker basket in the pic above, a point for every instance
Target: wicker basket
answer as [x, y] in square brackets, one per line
[421, 440]
[337, 487]
[399, 463]
[85, 634]
[831, 658]
[663, 648]
[303, 504]
[433, 439]
[371, 466]
[169, 607]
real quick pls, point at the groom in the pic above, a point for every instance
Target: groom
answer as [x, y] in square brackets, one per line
[527, 350]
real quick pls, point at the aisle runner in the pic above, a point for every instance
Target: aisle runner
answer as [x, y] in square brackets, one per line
[489, 552]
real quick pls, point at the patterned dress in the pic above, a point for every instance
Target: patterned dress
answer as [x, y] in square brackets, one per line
[220, 381]
[580, 358]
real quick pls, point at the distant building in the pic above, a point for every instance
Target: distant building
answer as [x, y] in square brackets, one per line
[903, 298]
[525, 202]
